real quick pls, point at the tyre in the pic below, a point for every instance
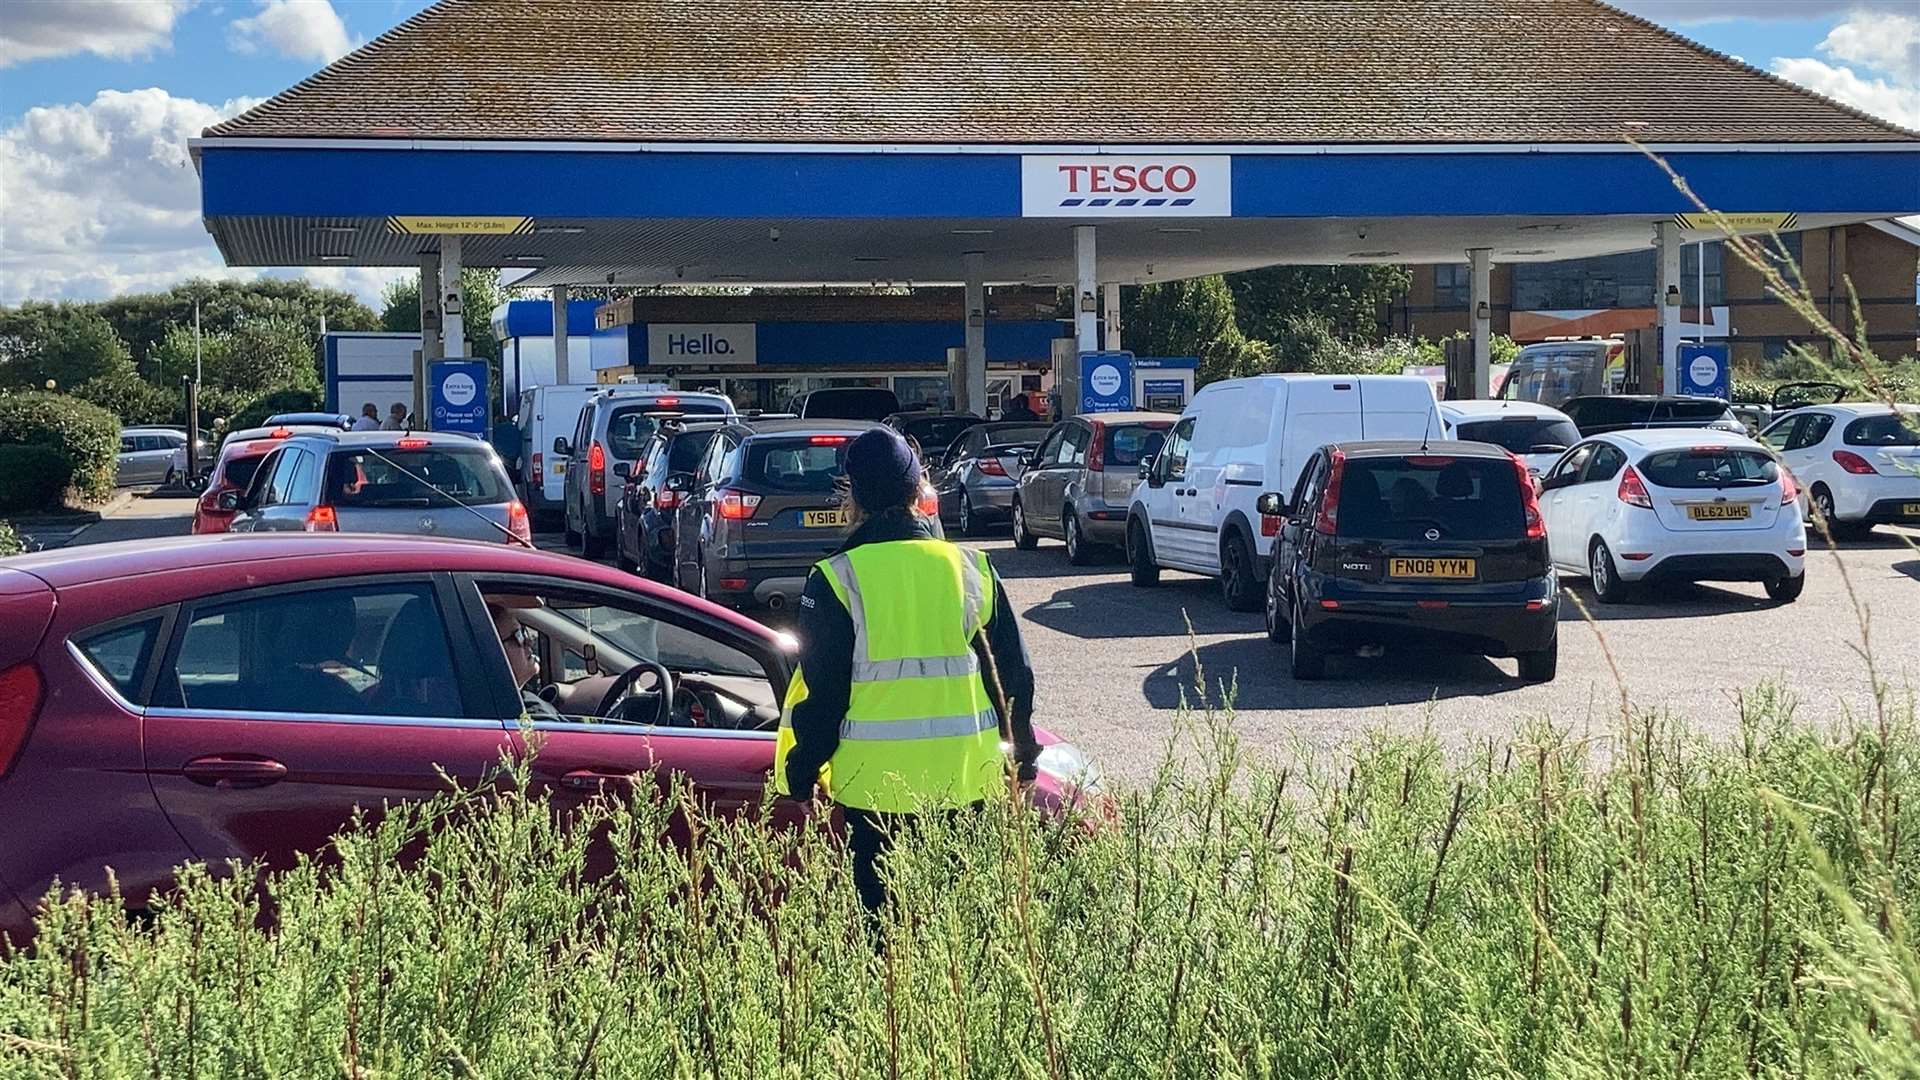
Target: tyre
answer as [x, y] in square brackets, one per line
[1308, 663]
[1279, 626]
[1824, 516]
[567, 532]
[593, 547]
[1143, 571]
[1786, 590]
[620, 559]
[969, 524]
[1239, 583]
[1022, 539]
[1607, 585]
[1079, 551]
[1542, 664]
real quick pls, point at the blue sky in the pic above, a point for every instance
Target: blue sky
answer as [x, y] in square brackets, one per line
[97, 98]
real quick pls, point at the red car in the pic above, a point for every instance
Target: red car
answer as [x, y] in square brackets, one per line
[235, 697]
[240, 454]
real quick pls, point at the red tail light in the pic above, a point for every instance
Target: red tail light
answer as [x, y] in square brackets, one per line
[826, 440]
[518, 523]
[928, 504]
[279, 433]
[322, 519]
[19, 703]
[1632, 491]
[1529, 500]
[1097, 449]
[1853, 463]
[539, 465]
[666, 402]
[991, 466]
[410, 444]
[1789, 488]
[737, 505]
[666, 499]
[597, 469]
[1328, 520]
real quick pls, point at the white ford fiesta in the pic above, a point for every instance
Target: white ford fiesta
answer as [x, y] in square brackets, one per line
[1634, 509]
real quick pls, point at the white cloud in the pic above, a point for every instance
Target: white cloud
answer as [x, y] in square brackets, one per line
[1889, 43]
[301, 29]
[1886, 46]
[100, 198]
[120, 29]
[1884, 99]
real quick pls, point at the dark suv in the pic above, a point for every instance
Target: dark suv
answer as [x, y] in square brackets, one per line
[763, 507]
[657, 481]
[1599, 414]
[1399, 543]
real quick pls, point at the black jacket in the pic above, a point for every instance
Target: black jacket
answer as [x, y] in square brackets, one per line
[826, 660]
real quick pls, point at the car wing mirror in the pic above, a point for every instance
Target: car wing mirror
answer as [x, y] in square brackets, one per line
[623, 470]
[228, 500]
[1271, 504]
[560, 446]
[1146, 467]
[681, 483]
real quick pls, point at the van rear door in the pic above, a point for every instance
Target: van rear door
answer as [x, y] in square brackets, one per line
[1318, 412]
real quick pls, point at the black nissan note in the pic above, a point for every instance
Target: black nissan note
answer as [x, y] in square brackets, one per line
[1438, 545]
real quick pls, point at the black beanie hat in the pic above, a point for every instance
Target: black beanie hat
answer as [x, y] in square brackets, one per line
[882, 470]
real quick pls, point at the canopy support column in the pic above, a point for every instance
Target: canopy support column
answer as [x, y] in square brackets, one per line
[971, 394]
[1666, 290]
[1086, 314]
[1480, 302]
[453, 334]
[559, 336]
[1110, 305]
[429, 331]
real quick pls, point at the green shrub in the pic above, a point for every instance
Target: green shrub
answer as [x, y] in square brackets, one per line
[133, 399]
[255, 412]
[87, 436]
[32, 477]
[10, 542]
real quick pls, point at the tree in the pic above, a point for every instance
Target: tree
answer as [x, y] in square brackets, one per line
[259, 355]
[1348, 299]
[1190, 318]
[68, 343]
[144, 320]
[481, 293]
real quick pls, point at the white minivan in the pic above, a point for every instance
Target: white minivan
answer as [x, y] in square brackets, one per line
[1194, 508]
[547, 412]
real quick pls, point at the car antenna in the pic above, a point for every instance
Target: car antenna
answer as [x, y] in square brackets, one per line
[418, 479]
[1424, 432]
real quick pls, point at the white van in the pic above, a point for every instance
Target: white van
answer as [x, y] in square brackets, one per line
[1194, 508]
[546, 412]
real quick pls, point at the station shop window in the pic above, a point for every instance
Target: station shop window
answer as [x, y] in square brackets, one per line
[1452, 284]
[931, 390]
[1616, 281]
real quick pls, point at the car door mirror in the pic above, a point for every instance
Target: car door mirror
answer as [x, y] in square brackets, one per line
[623, 470]
[228, 501]
[1271, 504]
[1146, 468]
[681, 483]
[561, 447]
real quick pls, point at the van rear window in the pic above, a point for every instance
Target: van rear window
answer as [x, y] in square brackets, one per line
[800, 466]
[1465, 498]
[629, 427]
[1709, 467]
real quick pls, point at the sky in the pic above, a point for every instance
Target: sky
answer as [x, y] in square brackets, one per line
[98, 99]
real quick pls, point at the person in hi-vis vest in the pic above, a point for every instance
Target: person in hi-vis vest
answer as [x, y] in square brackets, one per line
[888, 710]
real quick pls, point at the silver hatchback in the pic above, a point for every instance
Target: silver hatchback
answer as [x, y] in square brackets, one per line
[382, 482]
[1077, 485]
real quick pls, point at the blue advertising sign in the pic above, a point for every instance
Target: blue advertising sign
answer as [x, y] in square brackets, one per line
[1705, 370]
[1106, 382]
[457, 397]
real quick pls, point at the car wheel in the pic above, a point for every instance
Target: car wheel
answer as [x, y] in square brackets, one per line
[1835, 528]
[620, 558]
[1022, 539]
[1279, 628]
[167, 481]
[968, 526]
[1786, 590]
[593, 547]
[1605, 575]
[1143, 571]
[567, 531]
[1309, 663]
[1542, 664]
[1079, 552]
[1238, 585]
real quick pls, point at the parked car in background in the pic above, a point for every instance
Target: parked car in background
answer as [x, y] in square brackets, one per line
[1623, 412]
[932, 432]
[762, 507]
[382, 482]
[611, 427]
[1434, 544]
[150, 455]
[1858, 464]
[1239, 437]
[847, 403]
[544, 414]
[1080, 480]
[657, 481]
[1641, 508]
[240, 455]
[1536, 434]
[975, 485]
[1554, 372]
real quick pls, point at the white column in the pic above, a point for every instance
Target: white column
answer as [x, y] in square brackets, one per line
[453, 331]
[560, 335]
[970, 394]
[1110, 307]
[1480, 304]
[1085, 299]
[429, 330]
[1666, 237]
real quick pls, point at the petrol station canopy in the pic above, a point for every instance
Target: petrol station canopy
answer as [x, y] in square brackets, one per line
[826, 142]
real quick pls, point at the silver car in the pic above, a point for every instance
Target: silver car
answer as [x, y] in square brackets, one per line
[1078, 483]
[382, 482]
[150, 455]
[981, 467]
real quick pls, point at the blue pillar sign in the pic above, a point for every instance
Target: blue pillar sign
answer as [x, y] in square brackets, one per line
[1106, 382]
[1706, 371]
[457, 397]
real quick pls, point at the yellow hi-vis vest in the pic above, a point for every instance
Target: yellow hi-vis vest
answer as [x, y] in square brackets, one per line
[920, 731]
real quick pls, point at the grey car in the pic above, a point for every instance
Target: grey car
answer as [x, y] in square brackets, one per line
[150, 455]
[382, 482]
[1077, 485]
[981, 468]
[614, 426]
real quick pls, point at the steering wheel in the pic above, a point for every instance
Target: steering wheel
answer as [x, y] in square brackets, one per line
[623, 687]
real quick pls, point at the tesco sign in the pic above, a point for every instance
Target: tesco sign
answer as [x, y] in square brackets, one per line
[1117, 185]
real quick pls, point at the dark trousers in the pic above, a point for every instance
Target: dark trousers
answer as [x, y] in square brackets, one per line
[870, 836]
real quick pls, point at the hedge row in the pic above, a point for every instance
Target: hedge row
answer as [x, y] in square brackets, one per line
[83, 441]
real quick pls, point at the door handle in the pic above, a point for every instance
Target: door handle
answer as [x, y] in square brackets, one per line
[592, 779]
[233, 772]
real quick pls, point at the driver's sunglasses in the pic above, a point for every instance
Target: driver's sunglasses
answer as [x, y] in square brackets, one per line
[521, 636]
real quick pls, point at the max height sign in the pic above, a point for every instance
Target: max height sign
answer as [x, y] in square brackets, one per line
[1121, 185]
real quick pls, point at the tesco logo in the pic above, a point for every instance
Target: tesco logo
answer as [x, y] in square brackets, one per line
[1129, 186]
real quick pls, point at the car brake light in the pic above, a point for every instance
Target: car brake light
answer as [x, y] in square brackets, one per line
[826, 440]
[1853, 463]
[1328, 519]
[1789, 488]
[737, 505]
[1430, 461]
[410, 444]
[666, 499]
[1632, 491]
[518, 523]
[669, 402]
[928, 504]
[596, 469]
[539, 464]
[1529, 500]
[19, 703]
[1270, 524]
[1096, 450]
[322, 519]
[991, 466]
[278, 433]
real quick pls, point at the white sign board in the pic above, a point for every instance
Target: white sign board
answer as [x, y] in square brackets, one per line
[700, 343]
[1121, 186]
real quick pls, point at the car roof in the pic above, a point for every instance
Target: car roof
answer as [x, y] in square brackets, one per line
[1679, 438]
[384, 439]
[820, 426]
[1388, 448]
[1856, 408]
[1478, 408]
[1138, 416]
[1644, 397]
